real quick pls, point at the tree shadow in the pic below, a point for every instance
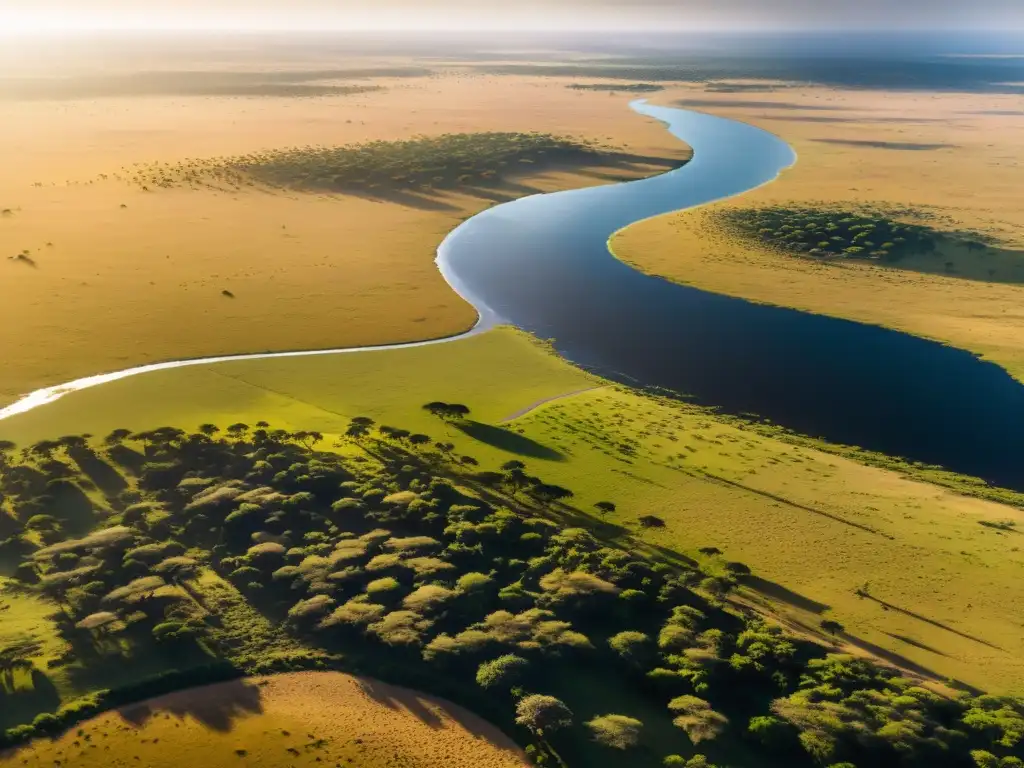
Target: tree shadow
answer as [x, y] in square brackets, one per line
[399, 699]
[916, 644]
[102, 474]
[901, 661]
[21, 704]
[69, 504]
[126, 457]
[424, 200]
[781, 594]
[894, 145]
[507, 440]
[783, 500]
[216, 707]
[887, 606]
[436, 712]
[862, 120]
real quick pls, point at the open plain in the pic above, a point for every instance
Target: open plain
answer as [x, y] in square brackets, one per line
[115, 276]
[951, 160]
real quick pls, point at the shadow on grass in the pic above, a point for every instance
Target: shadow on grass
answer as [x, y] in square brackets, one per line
[507, 440]
[215, 706]
[69, 504]
[21, 702]
[399, 699]
[102, 474]
[128, 458]
[781, 594]
[896, 145]
[916, 644]
[887, 606]
[901, 661]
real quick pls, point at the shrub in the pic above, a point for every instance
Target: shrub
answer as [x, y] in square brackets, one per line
[696, 717]
[634, 647]
[543, 714]
[502, 672]
[615, 731]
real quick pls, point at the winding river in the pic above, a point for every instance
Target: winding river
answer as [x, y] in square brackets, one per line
[542, 263]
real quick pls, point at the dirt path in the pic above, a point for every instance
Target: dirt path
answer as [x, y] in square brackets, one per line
[539, 403]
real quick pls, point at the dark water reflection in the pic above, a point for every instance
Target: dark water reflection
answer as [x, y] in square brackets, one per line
[542, 263]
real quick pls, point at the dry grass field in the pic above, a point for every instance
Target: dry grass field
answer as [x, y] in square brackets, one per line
[297, 719]
[813, 526]
[956, 157]
[116, 276]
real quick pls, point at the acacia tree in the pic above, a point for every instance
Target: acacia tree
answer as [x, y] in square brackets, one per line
[447, 411]
[543, 714]
[359, 427]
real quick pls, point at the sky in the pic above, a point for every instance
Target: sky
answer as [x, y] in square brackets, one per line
[25, 16]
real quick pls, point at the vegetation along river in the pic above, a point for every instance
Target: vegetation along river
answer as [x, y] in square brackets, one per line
[542, 263]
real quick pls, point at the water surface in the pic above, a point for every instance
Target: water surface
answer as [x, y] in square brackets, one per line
[542, 263]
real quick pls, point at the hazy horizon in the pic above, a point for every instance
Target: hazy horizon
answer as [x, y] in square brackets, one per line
[61, 16]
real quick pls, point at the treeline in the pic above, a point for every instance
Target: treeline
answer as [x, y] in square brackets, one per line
[827, 232]
[446, 161]
[617, 87]
[250, 550]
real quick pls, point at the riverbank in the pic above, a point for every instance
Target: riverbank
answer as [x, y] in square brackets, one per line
[813, 526]
[116, 276]
[951, 156]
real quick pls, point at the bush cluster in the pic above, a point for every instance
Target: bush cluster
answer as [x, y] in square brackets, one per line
[250, 547]
[824, 232]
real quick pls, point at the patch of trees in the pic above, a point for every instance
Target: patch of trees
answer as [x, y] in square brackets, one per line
[617, 87]
[250, 547]
[428, 162]
[833, 233]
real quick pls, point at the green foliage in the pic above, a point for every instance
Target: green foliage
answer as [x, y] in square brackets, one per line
[471, 593]
[543, 714]
[502, 672]
[825, 232]
[615, 731]
[425, 162]
[633, 647]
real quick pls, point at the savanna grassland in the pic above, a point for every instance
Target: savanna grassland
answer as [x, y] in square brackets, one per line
[270, 721]
[814, 526]
[176, 558]
[949, 161]
[112, 268]
[606, 576]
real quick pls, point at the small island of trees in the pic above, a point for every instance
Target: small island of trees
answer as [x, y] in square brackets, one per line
[835, 233]
[427, 162]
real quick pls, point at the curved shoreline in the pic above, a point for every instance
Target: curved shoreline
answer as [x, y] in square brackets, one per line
[486, 320]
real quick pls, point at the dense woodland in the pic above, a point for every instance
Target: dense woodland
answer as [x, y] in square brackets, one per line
[423, 163]
[825, 233]
[182, 557]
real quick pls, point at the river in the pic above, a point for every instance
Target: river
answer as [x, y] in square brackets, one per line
[542, 263]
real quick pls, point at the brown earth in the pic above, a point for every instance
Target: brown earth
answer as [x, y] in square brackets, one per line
[120, 277]
[297, 719]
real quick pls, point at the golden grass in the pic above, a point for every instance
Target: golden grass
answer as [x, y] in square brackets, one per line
[115, 286]
[850, 147]
[815, 527]
[297, 719]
